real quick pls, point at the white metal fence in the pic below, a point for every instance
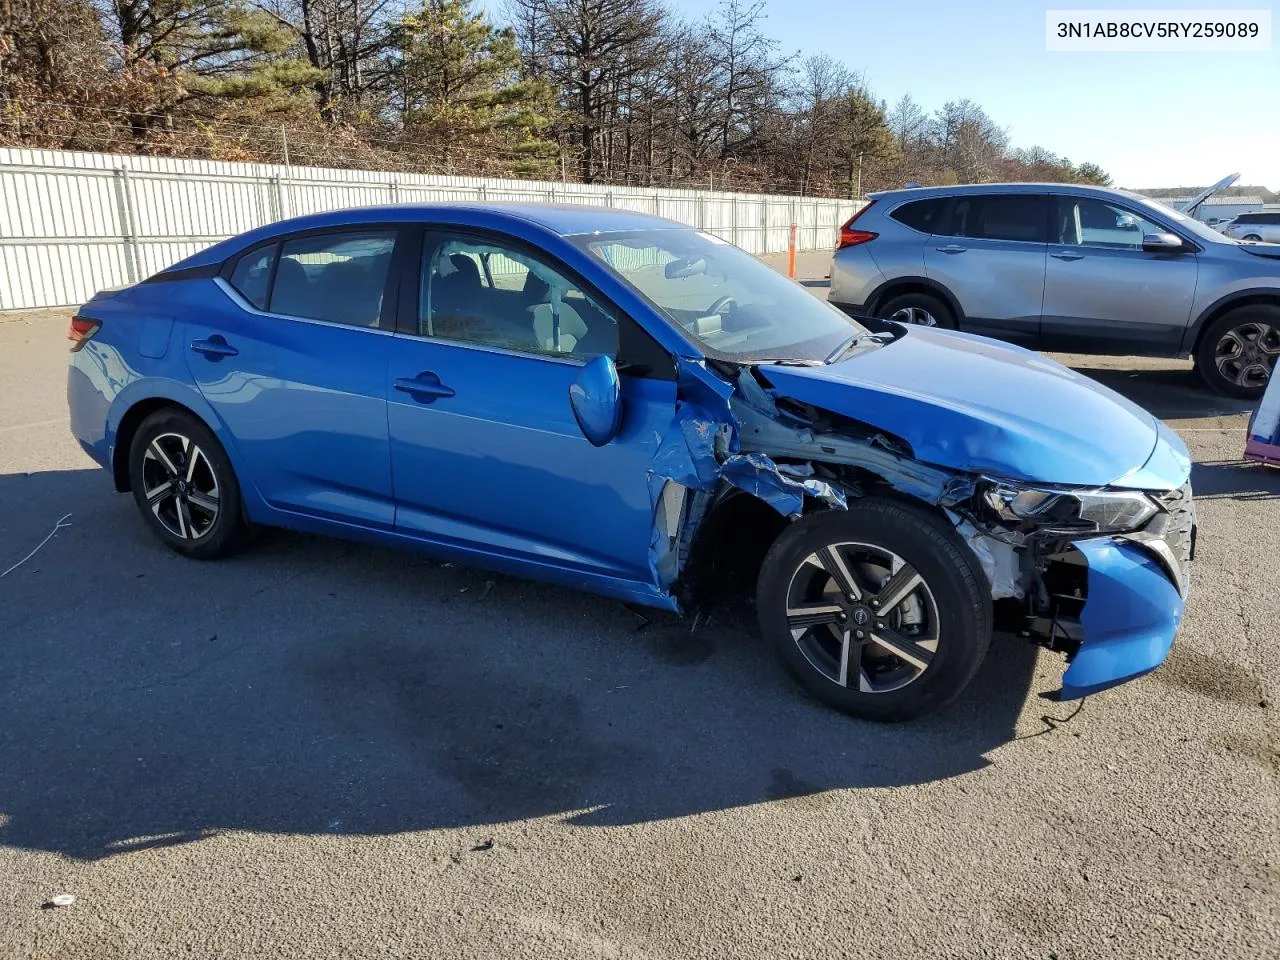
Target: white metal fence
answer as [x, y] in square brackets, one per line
[73, 223]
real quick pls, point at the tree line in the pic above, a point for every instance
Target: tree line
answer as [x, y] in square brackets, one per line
[594, 91]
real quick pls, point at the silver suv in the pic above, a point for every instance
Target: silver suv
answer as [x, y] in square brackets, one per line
[1254, 227]
[1070, 268]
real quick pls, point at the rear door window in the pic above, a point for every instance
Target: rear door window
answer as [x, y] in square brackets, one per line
[336, 277]
[1016, 216]
[922, 215]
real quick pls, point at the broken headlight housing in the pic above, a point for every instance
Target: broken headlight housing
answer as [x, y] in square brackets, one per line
[1070, 511]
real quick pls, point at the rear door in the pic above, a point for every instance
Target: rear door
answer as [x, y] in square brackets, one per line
[989, 251]
[294, 359]
[1103, 293]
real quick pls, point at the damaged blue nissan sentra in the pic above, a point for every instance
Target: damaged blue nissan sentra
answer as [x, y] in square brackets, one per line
[622, 404]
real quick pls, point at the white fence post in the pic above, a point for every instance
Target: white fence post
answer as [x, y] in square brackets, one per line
[128, 235]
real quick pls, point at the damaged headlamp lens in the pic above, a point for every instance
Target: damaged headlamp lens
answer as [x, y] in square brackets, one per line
[1071, 511]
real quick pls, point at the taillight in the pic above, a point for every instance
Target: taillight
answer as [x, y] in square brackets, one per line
[81, 329]
[849, 237]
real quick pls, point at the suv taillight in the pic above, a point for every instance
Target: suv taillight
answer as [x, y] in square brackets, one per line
[81, 329]
[850, 237]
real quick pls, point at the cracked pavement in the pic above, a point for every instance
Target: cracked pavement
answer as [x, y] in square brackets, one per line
[322, 749]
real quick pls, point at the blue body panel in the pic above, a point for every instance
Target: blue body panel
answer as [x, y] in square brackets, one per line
[980, 406]
[305, 402]
[1129, 620]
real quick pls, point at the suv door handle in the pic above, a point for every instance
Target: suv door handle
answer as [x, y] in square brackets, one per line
[1067, 256]
[215, 347]
[425, 387]
[952, 248]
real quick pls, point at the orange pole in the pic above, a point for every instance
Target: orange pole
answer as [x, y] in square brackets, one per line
[791, 253]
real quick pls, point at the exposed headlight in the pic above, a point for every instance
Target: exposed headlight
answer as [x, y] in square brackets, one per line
[1071, 511]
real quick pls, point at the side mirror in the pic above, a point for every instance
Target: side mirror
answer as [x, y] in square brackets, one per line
[596, 398]
[1162, 243]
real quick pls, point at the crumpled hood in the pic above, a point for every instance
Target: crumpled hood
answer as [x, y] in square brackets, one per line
[977, 405]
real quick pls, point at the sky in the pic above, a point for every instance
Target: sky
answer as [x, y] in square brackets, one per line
[1149, 119]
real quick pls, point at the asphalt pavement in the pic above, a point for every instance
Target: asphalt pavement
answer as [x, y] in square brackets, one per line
[318, 749]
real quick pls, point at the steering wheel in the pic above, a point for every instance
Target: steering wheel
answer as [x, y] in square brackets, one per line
[722, 305]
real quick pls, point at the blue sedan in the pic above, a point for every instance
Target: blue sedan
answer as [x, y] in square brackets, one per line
[621, 404]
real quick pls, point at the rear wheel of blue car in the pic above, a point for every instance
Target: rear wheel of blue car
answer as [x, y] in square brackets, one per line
[184, 486]
[880, 611]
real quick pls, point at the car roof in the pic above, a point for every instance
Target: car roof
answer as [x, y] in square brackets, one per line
[561, 219]
[971, 189]
[564, 219]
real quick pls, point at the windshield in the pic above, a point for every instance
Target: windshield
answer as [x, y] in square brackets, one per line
[1189, 224]
[727, 301]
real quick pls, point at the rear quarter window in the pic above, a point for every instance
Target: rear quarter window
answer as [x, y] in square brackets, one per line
[252, 275]
[922, 215]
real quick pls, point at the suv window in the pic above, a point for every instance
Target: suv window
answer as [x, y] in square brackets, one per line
[338, 277]
[920, 215]
[1084, 221]
[1013, 216]
[1257, 218]
[493, 295]
[252, 274]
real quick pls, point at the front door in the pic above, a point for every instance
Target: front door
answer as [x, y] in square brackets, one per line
[1103, 292]
[989, 252]
[485, 449]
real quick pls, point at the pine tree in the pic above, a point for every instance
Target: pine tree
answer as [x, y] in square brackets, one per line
[458, 86]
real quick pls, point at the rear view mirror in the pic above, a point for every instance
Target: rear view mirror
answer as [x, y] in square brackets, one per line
[1162, 243]
[596, 398]
[684, 267]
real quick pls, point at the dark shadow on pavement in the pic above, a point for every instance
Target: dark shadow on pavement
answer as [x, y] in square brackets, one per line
[1173, 393]
[816, 283]
[1235, 480]
[313, 686]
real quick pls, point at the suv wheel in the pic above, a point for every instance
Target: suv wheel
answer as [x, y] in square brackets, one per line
[880, 610]
[184, 486]
[1253, 237]
[1237, 354]
[922, 309]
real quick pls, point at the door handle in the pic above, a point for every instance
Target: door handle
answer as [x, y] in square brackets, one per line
[1067, 256]
[215, 347]
[952, 248]
[426, 387]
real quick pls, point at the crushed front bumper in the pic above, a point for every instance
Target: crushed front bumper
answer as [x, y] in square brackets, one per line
[1135, 588]
[1129, 620]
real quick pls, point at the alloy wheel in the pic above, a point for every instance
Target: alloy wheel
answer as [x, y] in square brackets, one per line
[1246, 354]
[917, 315]
[863, 617]
[180, 486]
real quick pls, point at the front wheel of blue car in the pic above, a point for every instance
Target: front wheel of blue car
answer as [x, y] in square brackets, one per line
[880, 611]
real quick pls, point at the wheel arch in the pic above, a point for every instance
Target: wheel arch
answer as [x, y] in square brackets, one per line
[729, 544]
[914, 284]
[1257, 296]
[144, 398]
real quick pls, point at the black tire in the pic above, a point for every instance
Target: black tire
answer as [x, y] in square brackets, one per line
[1253, 237]
[925, 302]
[184, 503]
[1256, 329]
[953, 582]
